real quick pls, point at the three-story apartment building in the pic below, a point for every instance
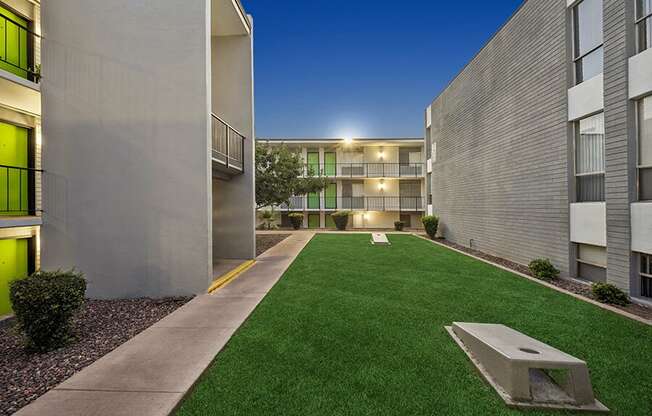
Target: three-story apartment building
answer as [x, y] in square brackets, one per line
[541, 146]
[380, 180]
[141, 172]
[20, 142]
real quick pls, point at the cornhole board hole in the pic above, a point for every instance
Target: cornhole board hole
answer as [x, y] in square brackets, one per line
[379, 239]
[525, 372]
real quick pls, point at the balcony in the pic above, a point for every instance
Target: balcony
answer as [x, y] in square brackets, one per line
[367, 170]
[17, 49]
[18, 196]
[227, 147]
[357, 203]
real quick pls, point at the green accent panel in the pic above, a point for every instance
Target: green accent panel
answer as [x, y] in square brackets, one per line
[13, 152]
[330, 164]
[330, 196]
[13, 265]
[313, 163]
[313, 200]
[329, 222]
[13, 44]
[313, 221]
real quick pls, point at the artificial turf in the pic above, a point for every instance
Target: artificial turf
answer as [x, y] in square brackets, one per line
[356, 329]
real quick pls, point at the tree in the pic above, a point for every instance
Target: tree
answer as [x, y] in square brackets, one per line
[280, 175]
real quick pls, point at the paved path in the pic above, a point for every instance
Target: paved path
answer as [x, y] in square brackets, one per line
[150, 374]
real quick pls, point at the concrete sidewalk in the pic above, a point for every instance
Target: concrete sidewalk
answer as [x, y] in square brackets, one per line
[150, 374]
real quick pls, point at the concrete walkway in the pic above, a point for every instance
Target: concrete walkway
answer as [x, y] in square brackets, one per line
[150, 374]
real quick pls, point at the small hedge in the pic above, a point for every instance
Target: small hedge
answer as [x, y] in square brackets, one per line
[430, 223]
[399, 225]
[296, 219]
[44, 304]
[543, 269]
[341, 219]
[608, 293]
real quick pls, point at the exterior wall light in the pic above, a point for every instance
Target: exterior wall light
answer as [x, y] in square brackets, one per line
[381, 185]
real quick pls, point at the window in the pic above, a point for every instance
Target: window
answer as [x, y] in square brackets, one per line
[592, 263]
[645, 149]
[644, 24]
[15, 44]
[646, 275]
[589, 159]
[588, 51]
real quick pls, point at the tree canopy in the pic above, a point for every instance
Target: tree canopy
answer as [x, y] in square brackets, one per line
[280, 174]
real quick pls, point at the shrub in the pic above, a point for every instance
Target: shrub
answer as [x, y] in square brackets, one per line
[608, 293]
[341, 219]
[269, 220]
[296, 219]
[431, 223]
[44, 304]
[399, 225]
[543, 269]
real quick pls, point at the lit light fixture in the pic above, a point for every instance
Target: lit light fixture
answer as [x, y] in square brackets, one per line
[381, 154]
[348, 140]
[381, 185]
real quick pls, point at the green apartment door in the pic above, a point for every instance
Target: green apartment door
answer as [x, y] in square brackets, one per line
[330, 196]
[313, 221]
[313, 163]
[14, 181]
[14, 261]
[330, 164]
[13, 43]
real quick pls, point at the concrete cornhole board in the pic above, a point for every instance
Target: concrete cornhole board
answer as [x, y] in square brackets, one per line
[518, 368]
[379, 239]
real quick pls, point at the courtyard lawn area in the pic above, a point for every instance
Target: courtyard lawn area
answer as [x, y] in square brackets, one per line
[355, 329]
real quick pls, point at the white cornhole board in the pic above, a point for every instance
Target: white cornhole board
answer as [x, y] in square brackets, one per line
[517, 367]
[379, 239]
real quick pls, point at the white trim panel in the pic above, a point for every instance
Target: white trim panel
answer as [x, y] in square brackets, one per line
[588, 223]
[640, 74]
[429, 116]
[642, 227]
[586, 98]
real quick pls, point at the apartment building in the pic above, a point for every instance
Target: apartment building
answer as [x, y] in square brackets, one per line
[20, 142]
[542, 145]
[141, 175]
[380, 180]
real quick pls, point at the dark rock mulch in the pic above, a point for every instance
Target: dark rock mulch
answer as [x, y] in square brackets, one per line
[266, 241]
[101, 326]
[567, 284]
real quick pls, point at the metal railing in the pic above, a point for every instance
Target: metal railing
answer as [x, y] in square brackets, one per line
[366, 170]
[17, 190]
[357, 203]
[17, 51]
[227, 144]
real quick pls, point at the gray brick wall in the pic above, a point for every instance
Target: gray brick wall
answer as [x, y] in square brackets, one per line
[501, 176]
[620, 138]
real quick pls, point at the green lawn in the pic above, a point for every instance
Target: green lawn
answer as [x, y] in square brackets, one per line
[355, 329]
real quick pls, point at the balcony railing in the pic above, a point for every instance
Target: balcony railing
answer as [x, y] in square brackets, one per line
[17, 49]
[366, 170]
[17, 190]
[228, 145]
[356, 203]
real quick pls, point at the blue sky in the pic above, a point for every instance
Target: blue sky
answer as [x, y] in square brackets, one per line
[364, 68]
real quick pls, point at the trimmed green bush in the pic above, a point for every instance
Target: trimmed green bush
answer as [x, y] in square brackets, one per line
[44, 304]
[341, 219]
[608, 293]
[399, 225]
[431, 224]
[543, 269]
[296, 219]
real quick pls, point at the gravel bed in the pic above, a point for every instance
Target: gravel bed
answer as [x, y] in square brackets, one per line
[101, 326]
[567, 284]
[266, 241]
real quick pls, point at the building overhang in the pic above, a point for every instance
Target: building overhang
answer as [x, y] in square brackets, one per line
[229, 18]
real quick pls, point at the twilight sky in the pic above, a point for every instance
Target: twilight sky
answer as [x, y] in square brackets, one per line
[361, 68]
